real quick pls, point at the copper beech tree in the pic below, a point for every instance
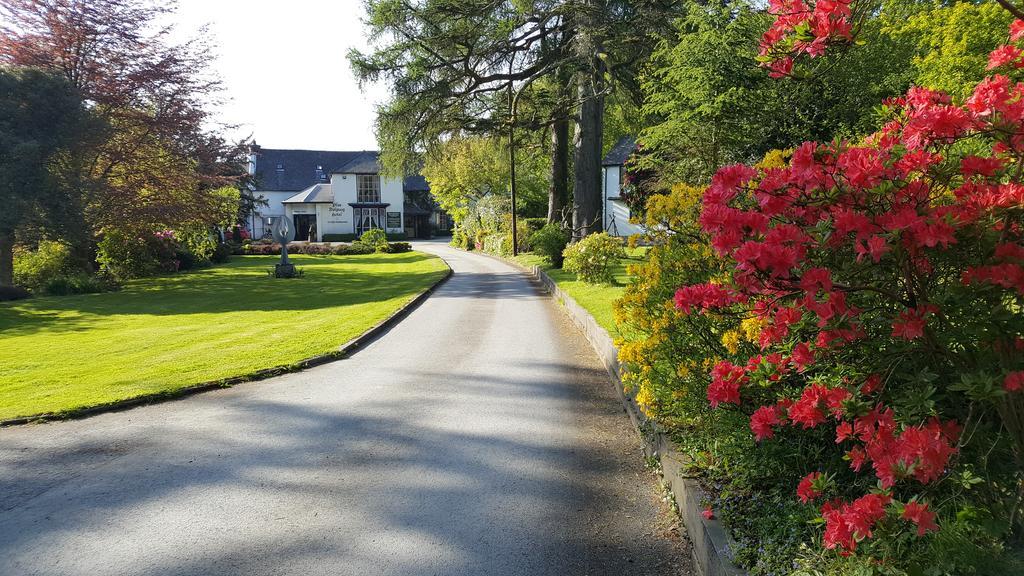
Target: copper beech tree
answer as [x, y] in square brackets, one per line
[148, 159]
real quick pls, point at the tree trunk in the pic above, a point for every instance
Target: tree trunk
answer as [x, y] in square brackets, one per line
[589, 125]
[558, 193]
[6, 258]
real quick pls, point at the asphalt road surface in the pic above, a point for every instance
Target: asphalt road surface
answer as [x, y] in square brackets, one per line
[480, 436]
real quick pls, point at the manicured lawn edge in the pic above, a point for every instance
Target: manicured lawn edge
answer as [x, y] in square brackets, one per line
[711, 543]
[344, 351]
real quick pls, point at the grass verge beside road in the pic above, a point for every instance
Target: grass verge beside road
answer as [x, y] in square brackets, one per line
[598, 299]
[162, 334]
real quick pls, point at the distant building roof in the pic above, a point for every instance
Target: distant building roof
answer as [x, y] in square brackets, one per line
[295, 170]
[315, 194]
[298, 170]
[416, 183]
[363, 163]
[619, 153]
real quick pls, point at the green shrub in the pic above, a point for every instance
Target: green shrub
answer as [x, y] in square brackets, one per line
[394, 236]
[222, 254]
[534, 224]
[523, 237]
[591, 258]
[9, 293]
[550, 242]
[124, 255]
[186, 260]
[461, 240]
[497, 244]
[261, 249]
[353, 249]
[78, 283]
[34, 269]
[399, 247]
[376, 239]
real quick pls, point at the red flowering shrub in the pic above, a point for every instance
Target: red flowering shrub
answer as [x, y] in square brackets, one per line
[887, 279]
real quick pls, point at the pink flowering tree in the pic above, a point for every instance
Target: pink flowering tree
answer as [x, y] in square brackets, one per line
[886, 277]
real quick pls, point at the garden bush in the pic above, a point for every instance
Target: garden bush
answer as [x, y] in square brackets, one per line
[534, 224]
[78, 283]
[33, 269]
[352, 249]
[222, 254]
[261, 249]
[549, 242]
[399, 247]
[312, 249]
[125, 256]
[592, 258]
[10, 293]
[375, 238]
[461, 240]
[843, 355]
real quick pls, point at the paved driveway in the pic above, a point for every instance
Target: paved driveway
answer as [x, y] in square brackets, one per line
[480, 436]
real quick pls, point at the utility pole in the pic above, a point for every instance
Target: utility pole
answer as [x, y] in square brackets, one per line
[512, 101]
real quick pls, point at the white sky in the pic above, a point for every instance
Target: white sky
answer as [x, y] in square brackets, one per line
[284, 69]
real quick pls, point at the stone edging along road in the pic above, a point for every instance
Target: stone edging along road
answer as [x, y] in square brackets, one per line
[343, 351]
[711, 544]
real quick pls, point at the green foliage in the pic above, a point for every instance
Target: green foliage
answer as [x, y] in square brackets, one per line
[399, 247]
[952, 41]
[375, 238]
[465, 170]
[10, 293]
[461, 239]
[125, 256]
[709, 104]
[40, 116]
[78, 283]
[353, 249]
[221, 254]
[33, 269]
[593, 257]
[550, 242]
[534, 224]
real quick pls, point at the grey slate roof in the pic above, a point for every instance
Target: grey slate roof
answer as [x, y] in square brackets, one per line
[317, 193]
[415, 183]
[363, 163]
[297, 170]
[619, 153]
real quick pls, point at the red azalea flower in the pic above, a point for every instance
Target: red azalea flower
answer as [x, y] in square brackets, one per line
[910, 323]
[763, 421]
[1014, 381]
[708, 513]
[1003, 55]
[920, 514]
[806, 490]
[802, 356]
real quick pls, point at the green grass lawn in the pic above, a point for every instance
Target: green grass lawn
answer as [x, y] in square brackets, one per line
[596, 298]
[160, 334]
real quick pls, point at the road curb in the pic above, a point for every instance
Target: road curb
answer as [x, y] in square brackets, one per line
[344, 351]
[712, 549]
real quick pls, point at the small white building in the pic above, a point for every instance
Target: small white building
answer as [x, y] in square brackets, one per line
[614, 208]
[339, 194]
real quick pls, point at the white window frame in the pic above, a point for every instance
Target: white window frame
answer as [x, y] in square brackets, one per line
[367, 188]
